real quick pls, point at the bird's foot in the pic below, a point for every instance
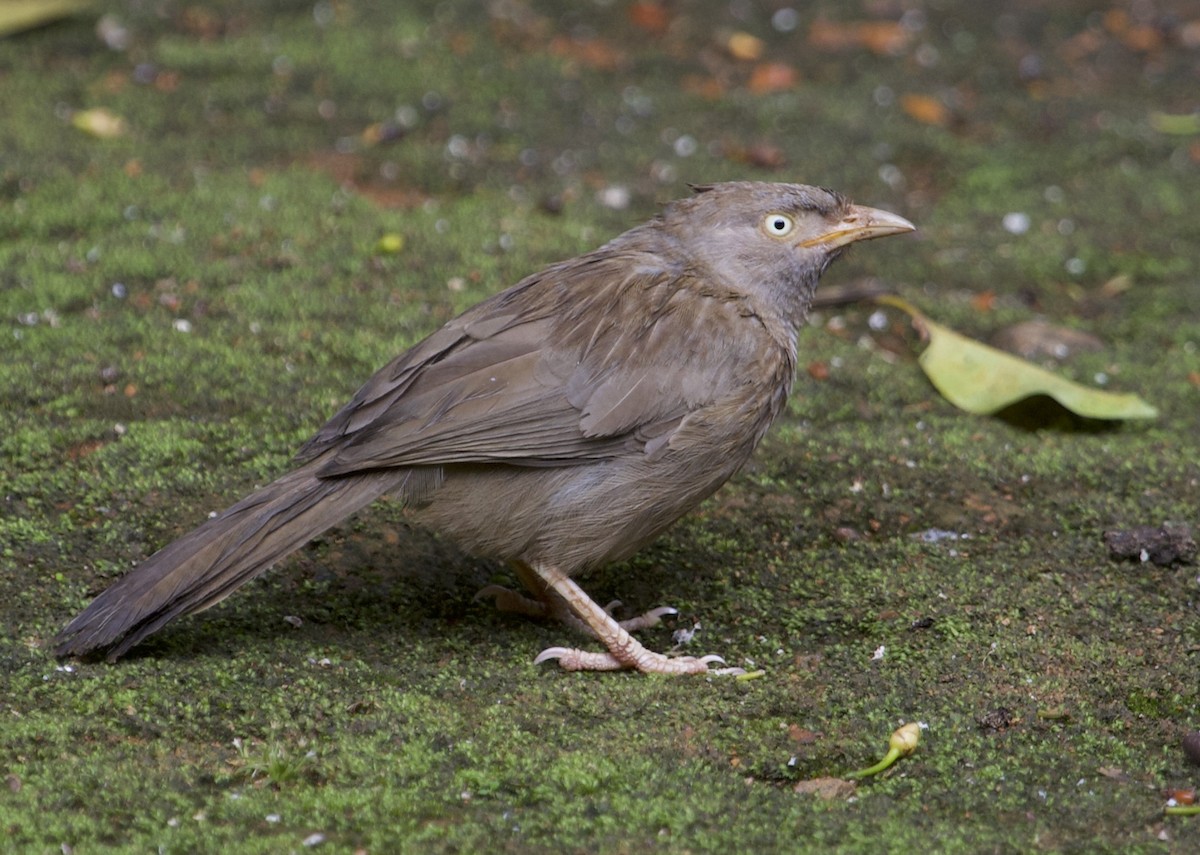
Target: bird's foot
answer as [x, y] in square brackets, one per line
[624, 651]
[507, 600]
[638, 658]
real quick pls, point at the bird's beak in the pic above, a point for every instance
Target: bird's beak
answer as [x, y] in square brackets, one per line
[860, 223]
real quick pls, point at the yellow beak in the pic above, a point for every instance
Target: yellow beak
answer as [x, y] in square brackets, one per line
[860, 223]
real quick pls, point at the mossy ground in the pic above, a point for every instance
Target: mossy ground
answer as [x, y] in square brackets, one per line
[181, 306]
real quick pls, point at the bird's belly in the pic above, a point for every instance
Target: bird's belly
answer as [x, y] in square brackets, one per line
[573, 517]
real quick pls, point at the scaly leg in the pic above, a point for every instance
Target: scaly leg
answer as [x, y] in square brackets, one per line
[546, 603]
[624, 651]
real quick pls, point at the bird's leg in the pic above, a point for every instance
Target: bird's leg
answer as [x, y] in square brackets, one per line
[624, 651]
[546, 603]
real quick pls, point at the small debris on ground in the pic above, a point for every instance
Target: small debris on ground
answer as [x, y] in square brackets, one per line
[1169, 543]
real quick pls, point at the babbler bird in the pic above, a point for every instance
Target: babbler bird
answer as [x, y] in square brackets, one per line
[559, 424]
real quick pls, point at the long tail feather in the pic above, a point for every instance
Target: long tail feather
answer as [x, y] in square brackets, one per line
[203, 567]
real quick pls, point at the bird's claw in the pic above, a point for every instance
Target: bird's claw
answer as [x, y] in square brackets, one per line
[645, 621]
[573, 659]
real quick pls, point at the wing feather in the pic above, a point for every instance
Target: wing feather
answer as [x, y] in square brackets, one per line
[555, 371]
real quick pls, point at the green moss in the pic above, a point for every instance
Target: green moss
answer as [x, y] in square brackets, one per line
[182, 306]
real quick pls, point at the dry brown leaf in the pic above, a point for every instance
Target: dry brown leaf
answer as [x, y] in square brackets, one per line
[651, 17]
[886, 38]
[984, 301]
[826, 788]
[1038, 340]
[802, 735]
[761, 155]
[594, 52]
[925, 109]
[709, 88]
[772, 77]
[830, 36]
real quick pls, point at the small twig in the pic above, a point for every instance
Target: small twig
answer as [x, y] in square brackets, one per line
[856, 292]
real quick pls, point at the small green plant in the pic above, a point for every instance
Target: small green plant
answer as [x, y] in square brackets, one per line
[273, 762]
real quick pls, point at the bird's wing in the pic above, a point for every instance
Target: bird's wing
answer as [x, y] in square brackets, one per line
[582, 362]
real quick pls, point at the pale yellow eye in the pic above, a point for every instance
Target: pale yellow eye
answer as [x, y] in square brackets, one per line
[778, 225]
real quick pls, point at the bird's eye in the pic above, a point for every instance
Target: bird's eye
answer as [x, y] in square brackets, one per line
[778, 225]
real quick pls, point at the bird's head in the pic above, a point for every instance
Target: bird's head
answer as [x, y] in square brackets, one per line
[772, 241]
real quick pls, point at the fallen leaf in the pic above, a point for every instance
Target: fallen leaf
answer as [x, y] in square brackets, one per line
[886, 38]
[1181, 124]
[760, 155]
[983, 380]
[984, 301]
[19, 15]
[651, 17]
[380, 133]
[709, 88]
[1136, 36]
[771, 77]
[1181, 795]
[592, 52]
[880, 37]
[1040, 340]
[802, 735]
[99, 122]
[389, 244]
[744, 46]
[925, 109]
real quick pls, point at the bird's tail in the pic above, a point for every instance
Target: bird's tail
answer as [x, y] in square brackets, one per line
[208, 564]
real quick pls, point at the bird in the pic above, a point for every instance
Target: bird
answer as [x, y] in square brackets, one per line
[558, 425]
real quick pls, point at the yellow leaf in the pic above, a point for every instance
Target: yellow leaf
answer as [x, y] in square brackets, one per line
[99, 122]
[745, 46]
[1181, 124]
[19, 15]
[982, 380]
[390, 244]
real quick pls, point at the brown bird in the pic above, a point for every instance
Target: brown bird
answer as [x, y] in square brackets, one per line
[560, 424]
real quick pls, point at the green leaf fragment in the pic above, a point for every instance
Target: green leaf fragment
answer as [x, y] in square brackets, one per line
[983, 380]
